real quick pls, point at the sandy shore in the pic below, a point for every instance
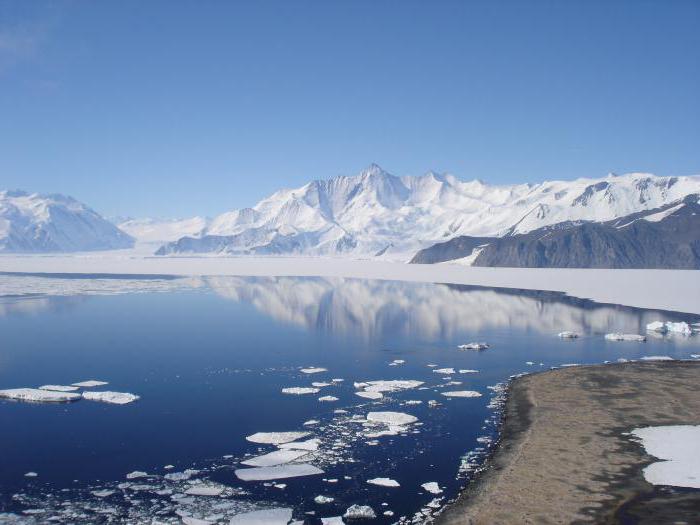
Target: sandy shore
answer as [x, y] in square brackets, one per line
[564, 457]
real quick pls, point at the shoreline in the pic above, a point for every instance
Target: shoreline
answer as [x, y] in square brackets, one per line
[562, 456]
[671, 290]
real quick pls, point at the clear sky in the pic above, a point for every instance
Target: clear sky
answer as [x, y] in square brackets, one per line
[176, 108]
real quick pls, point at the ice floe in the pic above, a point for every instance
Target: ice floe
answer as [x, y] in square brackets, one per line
[276, 438]
[461, 393]
[278, 457]
[319, 384]
[31, 475]
[136, 474]
[116, 398]
[59, 388]
[568, 335]
[384, 482]
[298, 390]
[35, 395]
[278, 516]
[310, 444]
[279, 472]
[432, 487]
[679, 448]
[355, 512]
[474, 346]
[617, 336]
[656, 358]
[327, 398]
[468, 371]
[313, 370]
[376, 389]
[205, 489]
[322, 500]
[391, 418]
[90, 383]
[369, 395]
[447, 371]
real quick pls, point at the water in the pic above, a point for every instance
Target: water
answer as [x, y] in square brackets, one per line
[209, 358]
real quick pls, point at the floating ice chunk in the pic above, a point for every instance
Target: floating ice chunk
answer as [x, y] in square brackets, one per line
[337, 380]
[322, 500]
[298, 390]
[356, 512]
[318, 384]
[656, 358]
[657, 326]
[34, 395]
[616, 336]
[569, 365]
[311, 422]
[468, 371]
[116, 398]
[90, 383]
[389, 513]
[384, 482]
[103, 493]
[278, 457]
[695, 356]
[391, 418]
[394, 385]
[205, 490]
[313, 370]
[679, 446]
[136, 474]
[679, 328]
[278, 472]
[327, 398]
[169, 467]
[474, 346]
[529, 363]
[181, 476]
[31, 475]
[568, 335]
[448, 371]
[276, 438]
[279, 516]
[432, 487]
[190, 520]
[369, 395]
[310, 444]
[414, 402]
[333, 520]
[59, 388]
[461, 393]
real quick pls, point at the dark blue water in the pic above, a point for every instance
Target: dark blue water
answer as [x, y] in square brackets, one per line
[209, 359]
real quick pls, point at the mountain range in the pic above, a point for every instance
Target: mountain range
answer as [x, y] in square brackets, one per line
[376, 214]
[428, 218]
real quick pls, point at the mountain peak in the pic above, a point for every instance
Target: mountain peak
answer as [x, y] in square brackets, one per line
[372, 170]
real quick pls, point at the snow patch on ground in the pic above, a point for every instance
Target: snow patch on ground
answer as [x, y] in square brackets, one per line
[678, 446]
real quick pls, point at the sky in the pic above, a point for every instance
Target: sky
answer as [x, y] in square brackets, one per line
[176, 108]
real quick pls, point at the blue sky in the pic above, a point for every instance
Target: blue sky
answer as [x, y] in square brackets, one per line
[177, 108]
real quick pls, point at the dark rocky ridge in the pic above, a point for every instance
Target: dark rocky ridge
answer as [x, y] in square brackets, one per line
[628, 242]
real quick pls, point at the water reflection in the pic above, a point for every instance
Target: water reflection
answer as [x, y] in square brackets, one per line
[363, 308]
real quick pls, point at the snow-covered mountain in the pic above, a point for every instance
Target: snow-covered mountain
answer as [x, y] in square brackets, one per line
[150, 230]
[378, 214]
[31, 222]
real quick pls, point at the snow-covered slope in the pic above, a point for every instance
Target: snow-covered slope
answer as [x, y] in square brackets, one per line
[376, 213]
[149, 230]
[54, 223]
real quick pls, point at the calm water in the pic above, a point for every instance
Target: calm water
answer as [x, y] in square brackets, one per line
[209, 358]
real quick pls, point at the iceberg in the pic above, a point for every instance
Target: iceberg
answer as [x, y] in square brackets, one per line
[322, 500]
[355, 512]
[35, 395]
[461, 393]
[657, 326]
[276, 438]
[616, 336]
[313, 370]
[568, 335]
[432, 487]
[474, 346]
[327, 398]
[59, 388]
[90, 383]
[384, 482]
[277, 472]
[116, 398]
[278, 516]
[298, 391]
[278, 457]
[679, 328]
